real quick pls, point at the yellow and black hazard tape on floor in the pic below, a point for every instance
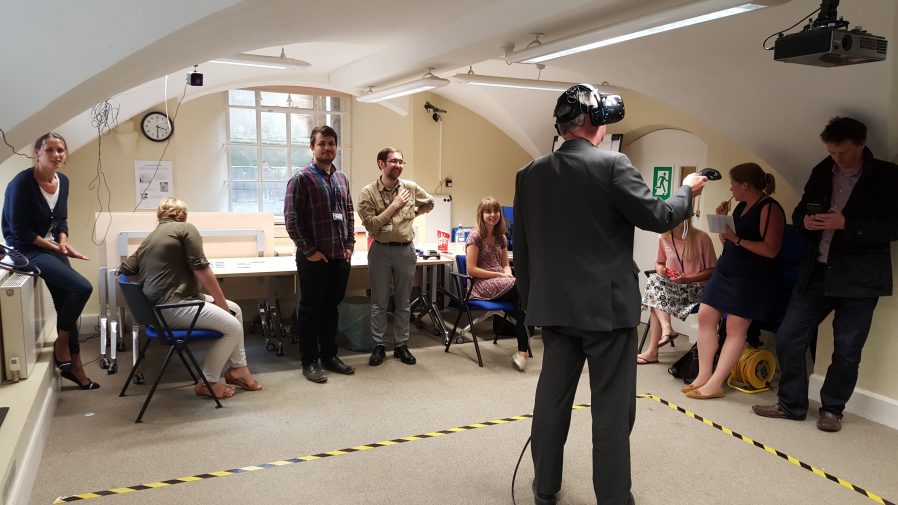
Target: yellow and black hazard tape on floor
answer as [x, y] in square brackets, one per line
[771, 450]
[293, 461]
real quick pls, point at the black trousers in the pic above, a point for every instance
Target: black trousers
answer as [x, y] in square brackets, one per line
[322, 286]
[69, 290]
[612, 382]
[851, 324]
[520, 329]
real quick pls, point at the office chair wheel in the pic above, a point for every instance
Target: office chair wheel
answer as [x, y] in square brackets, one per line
[104, 363]
[138, 378]
[269, 346]
[459, 340]
[437, 332]
[113, 368]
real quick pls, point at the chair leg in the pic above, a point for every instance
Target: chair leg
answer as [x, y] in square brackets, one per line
[529, 350]
[141, 355]
[146, 403]
[187, 366]
[474, 337]
[645, 334]
[203, 377]
[452, 333]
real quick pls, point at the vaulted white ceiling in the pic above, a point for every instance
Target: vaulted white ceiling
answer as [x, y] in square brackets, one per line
[62, 57]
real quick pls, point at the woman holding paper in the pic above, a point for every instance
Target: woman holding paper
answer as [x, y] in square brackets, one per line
[745, 274]
[685, 260]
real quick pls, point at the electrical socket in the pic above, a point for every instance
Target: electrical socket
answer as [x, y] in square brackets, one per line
[448, 182]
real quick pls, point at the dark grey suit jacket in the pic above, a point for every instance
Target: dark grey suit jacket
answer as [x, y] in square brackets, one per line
[574, 216]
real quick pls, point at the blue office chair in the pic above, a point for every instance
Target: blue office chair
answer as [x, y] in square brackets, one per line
[461, 301]
[157, 328]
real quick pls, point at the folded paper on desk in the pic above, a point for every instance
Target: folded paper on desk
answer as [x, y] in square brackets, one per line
[718, 223]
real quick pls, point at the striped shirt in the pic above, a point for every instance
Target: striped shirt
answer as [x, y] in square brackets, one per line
[312, 199]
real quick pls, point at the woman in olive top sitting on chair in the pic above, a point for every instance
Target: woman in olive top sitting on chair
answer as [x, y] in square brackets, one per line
[487, 262]
[173, 267]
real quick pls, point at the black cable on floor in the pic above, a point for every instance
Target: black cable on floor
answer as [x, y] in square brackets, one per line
[515, 475]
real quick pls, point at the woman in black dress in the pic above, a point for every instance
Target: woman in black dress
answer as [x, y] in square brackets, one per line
[745, 273]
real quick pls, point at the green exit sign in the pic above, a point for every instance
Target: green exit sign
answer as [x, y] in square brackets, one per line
[661, 182]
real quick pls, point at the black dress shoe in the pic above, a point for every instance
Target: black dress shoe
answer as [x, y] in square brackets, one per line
[829, 422]
[312, 372]
[334, 364]
[404, 355]
[377, 357]
[773, 411]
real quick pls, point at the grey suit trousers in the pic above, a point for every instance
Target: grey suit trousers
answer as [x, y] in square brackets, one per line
[612, 381]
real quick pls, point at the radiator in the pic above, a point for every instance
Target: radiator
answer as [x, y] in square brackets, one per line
[28, 321]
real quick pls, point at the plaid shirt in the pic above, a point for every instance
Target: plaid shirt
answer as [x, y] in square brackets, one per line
[308, 215]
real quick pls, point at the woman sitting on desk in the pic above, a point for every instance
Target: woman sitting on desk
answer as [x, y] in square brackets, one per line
[686, 259]
[487, 262]
[35, 222]
[745, 275]
[173, 267]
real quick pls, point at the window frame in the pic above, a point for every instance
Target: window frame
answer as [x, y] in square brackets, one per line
[319, 115]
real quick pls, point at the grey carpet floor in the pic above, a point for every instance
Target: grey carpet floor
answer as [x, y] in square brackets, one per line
[94, 444]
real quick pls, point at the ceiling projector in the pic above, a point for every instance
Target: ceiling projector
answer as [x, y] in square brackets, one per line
[827, 42]
[830, 47]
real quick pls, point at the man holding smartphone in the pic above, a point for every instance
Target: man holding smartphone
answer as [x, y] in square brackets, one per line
[848, 214]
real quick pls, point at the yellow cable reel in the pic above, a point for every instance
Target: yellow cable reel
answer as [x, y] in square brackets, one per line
[755, 370]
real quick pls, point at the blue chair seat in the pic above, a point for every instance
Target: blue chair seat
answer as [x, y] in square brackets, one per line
[463, 303]
[157, 329]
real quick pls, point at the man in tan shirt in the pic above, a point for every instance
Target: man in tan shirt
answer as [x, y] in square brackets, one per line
[387, 208]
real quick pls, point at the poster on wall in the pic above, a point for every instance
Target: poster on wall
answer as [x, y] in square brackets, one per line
[153, 182]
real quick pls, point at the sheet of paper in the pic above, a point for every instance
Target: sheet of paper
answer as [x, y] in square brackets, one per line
[718, 223]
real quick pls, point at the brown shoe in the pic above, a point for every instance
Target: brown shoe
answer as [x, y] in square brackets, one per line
[773, 411]
[829, 422]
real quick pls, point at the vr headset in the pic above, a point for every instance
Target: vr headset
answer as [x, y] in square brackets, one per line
[583, 98]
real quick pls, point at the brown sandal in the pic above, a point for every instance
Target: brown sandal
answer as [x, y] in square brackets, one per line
[201, 391]
[242, 383]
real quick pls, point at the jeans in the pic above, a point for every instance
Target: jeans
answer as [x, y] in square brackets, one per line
[851, 324]
[322, 285]
[69, 290]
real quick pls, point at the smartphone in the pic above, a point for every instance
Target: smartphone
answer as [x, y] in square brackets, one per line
[814, 208]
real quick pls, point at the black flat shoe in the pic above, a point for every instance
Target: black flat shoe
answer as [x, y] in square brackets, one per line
[71, 376]
[404, 355]
[334, 364]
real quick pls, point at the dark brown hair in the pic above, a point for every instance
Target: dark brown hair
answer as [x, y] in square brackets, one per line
[840, 129]
[39, 143]
[325, 131]
[753, 174]
[386, 152]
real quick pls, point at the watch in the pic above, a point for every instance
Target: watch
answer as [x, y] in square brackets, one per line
[157, 127]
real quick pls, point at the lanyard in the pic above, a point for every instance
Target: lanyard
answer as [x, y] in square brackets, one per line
[673, 243]
[332, 189]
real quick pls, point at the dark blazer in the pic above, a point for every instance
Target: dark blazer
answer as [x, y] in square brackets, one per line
[859, 263]
[574, 216]
[26, 214]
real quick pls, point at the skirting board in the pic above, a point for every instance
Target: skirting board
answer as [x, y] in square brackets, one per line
[20, 489]
[873, 406]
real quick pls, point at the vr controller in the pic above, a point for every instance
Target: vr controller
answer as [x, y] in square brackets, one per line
[711, 173]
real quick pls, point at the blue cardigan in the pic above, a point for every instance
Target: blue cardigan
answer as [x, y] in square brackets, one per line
[26, 214]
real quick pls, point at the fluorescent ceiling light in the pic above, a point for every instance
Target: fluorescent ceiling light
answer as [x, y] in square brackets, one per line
[281, 62]
[670, 19]
[511, 82]
[427, 82]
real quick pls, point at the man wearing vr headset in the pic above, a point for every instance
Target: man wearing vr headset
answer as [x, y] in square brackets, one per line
[575, 211]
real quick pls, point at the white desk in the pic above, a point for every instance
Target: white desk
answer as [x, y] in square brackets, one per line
[269, 266]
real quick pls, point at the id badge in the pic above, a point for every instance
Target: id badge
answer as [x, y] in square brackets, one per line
[387, 228]
[338, 217]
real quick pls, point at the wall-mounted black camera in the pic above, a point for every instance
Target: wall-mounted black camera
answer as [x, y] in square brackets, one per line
[436, 111]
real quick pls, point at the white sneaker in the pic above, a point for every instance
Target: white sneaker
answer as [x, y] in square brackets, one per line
[520, 362]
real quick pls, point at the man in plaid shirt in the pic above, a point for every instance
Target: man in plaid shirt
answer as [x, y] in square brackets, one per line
[319, 218]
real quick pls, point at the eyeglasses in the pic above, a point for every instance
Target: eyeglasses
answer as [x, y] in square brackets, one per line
[396, 162]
